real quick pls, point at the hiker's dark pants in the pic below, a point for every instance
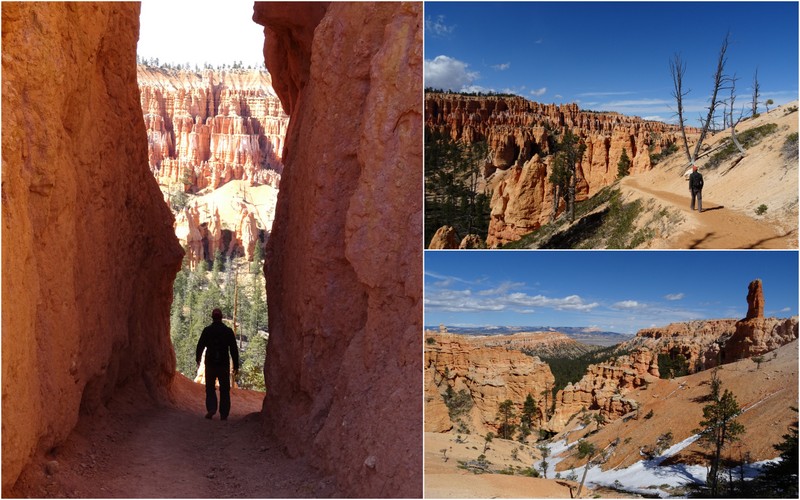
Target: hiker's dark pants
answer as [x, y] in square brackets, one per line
[221, 373]
[699, 195]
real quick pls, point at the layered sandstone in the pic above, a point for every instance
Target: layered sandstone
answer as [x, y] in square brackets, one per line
[520, 135]
[89, 252]
[205, 128]
[604, 386]
[344, 262]
[546, 344]
[490, 374]
[701, 342]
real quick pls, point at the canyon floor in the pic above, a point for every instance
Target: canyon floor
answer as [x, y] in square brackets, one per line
[140, 449]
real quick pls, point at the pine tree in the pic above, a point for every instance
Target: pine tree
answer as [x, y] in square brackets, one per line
[506, 414]
[624, 165]
[718, 429]
[529, 409]
[780, 479]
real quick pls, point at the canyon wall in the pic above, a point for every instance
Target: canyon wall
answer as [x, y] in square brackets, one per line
[520, 135]
[89, 252]
[344, 262]
[207, 127]
[490, 374]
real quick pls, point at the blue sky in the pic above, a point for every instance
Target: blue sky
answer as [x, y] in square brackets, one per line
[609, 56]
[621, 291]
[200, 31]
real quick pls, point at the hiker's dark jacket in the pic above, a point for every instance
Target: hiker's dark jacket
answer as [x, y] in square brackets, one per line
[695, 181]
[218, 339]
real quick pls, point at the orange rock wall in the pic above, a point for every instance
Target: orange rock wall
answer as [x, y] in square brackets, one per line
[88, 249]
[344, 261]
[216, 126]
[490, 374]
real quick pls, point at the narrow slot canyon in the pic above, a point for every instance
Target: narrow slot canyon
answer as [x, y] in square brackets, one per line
[92, 405]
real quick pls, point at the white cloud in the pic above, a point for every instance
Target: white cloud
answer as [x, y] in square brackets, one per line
[558, 96]
[539, 92]
[785, 310]
[498, 299]
[603, 94]
[539, 41]
[674, 296]
[446, 73]
[502, 67]
[627, 304]
[438, 27]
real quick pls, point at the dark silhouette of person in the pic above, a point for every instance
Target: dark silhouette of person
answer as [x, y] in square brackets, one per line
[696, 187]
[217, 340]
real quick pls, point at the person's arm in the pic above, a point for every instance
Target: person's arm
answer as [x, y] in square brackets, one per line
[234, 351]
[201, 345]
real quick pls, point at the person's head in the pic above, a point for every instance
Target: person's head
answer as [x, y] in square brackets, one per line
[694, 167]
[216, 315]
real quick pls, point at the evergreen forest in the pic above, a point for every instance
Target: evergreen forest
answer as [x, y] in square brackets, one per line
[454, 191]
[235, 286]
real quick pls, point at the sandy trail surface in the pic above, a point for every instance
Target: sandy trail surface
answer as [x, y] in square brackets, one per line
[146, 450]
[717, 226]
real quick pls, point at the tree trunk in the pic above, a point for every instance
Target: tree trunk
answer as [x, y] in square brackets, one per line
[719, 80]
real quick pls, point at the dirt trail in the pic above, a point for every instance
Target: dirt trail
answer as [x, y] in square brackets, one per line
[156, 451]
[717, 226]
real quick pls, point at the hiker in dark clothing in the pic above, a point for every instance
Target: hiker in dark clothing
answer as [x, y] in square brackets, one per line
[696, 187]
[217, 340]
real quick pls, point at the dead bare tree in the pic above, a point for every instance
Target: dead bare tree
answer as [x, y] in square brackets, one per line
[733, 122]
[756, 94]
[678, 68]
[719, 84]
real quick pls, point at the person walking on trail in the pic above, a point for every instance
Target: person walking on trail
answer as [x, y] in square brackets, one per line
[696, 187]
[218, 340]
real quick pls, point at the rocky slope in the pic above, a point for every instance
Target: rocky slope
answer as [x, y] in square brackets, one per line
[344, 262]
[209, 127]
[520, 137]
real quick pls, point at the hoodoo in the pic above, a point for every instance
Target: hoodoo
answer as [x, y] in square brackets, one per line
[89, 252]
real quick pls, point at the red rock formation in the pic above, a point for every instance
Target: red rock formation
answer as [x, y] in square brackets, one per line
[517, 133]
[700, 342]
[604, 386]
[88, 249]
[755, 300]
[491, 374]
[445, 238]
[207, 128]
[344, 261]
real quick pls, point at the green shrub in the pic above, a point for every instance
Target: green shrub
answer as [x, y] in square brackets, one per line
[789, 148]
[747, 139]
[761, 210]
[657, 157]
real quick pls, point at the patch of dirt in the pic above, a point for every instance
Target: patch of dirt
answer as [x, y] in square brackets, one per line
[142, 449]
